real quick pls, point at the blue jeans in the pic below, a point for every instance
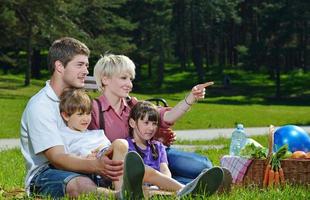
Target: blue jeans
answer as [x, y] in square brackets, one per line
[52, 182]
[186, 166]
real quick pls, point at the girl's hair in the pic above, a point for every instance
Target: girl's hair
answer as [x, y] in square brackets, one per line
[64, 50]
[111, 64]
[139, 111]
[75, 100]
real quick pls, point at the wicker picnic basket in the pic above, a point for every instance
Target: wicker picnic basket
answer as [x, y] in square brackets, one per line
[296, 171]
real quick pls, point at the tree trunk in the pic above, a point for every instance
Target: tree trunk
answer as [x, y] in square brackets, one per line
[29, 55]
[149, 69]
[36, 64]
[197, 59]
[161, 65]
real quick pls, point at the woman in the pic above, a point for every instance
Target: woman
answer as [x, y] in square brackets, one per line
[114, 75]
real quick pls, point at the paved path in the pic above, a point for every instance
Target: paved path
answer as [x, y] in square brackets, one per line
[207, 134]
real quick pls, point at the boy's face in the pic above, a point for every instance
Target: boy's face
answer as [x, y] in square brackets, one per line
[144, 128]
[77, 121]
[75, 71]
[119, 84]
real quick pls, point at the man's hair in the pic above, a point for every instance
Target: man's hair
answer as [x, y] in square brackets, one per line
[75, 100]
[111, 64]
[64, 49]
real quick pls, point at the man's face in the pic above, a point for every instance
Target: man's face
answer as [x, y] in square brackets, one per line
[75, 71]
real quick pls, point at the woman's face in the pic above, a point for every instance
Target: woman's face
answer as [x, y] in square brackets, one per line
[119, 85]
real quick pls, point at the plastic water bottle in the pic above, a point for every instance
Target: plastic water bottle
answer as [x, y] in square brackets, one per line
[238, 140]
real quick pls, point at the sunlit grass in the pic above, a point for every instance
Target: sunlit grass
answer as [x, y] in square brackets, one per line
[12, 173]
[248, 100]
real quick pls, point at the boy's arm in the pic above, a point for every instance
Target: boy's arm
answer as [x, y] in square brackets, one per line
[104, 166]
[197, 92]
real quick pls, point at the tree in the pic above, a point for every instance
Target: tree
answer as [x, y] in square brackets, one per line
[151, 35]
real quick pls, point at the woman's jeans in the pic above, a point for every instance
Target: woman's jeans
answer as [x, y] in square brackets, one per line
[186, 166]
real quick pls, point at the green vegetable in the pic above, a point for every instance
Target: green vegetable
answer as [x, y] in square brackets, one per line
[288, 154]
[252, 151]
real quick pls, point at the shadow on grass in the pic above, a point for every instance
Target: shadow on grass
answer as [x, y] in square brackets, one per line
[253, 88]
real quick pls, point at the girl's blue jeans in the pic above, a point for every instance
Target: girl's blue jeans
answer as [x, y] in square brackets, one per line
[186, 166]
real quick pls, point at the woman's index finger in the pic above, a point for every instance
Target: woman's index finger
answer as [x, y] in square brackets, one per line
[206, 84]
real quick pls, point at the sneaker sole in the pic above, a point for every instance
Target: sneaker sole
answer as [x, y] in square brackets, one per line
[133, 176]
[209, 182]
[227, 182]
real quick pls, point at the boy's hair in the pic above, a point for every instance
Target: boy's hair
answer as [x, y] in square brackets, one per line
[140, 111]
[75, 100]
[64, 49]
[111, 64]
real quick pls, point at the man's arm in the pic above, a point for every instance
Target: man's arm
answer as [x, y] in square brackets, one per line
[104, 166]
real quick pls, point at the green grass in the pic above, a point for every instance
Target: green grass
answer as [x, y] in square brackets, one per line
[249, 100]
[12, 173]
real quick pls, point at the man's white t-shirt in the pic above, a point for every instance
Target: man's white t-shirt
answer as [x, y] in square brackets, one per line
[82, 143]
[40, 125]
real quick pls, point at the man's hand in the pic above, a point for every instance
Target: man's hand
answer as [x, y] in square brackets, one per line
[110, 168]
[166, 136]
[104, 166]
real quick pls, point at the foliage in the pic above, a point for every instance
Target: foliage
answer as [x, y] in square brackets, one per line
[193, 34]
[252, 151]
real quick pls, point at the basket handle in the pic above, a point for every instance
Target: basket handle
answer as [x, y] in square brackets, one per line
[270, 143]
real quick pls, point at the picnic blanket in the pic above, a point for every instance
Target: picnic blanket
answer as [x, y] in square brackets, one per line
[236, 165]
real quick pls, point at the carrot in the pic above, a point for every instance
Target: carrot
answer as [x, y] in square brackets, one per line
[265, 181]
[271, 178]
[276, 178]
[281, 174]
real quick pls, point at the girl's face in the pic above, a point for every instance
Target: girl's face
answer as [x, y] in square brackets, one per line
[77, 121]
[144, 129]
[119, 84]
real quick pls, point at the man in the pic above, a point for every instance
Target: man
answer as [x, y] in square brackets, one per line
[50, 170]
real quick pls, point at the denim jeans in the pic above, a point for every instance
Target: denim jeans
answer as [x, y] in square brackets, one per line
[53, 182]
[186, 166]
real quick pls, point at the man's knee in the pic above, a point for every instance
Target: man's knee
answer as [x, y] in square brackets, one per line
[80, 185]
[120, 145]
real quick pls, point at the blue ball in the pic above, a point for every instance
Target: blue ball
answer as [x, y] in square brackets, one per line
[296, 138]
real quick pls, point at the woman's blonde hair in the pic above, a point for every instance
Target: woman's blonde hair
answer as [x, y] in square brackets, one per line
[111, 64]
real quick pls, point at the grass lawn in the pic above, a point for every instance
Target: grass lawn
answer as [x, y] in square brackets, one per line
[247, 100]
[12, 173]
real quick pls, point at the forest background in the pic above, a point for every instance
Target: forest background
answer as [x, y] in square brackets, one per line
[209, 38]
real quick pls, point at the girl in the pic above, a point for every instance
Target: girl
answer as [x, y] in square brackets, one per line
[144, 122]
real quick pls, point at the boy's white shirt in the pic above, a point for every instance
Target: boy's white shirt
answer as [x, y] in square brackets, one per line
[82, 143]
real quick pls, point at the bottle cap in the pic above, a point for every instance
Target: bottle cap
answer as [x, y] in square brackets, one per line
[239, 126]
